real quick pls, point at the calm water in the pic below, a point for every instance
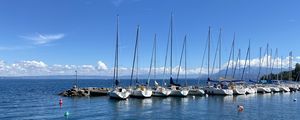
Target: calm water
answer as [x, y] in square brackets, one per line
[38, 99]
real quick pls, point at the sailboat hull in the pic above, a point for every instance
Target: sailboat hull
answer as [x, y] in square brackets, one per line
[263, 90]
[196, 92]
[217, 91]
[179, 93]
[119, 93]
[284, 89]
[250, 90]
[275, 89]
[238, 91]
[141, 93]
[161, 92]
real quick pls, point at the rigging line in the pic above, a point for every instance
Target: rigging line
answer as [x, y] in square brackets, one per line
[217, 49]
[232, 45]
[236, 63]
[182, 50]
[201, 68]
[134, 58]
[152, 57]
[262, 59]
[166, 57]
[246, 61]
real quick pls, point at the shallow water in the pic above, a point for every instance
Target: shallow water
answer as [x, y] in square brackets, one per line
[38, 99]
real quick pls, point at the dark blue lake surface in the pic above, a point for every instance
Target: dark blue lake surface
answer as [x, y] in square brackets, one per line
[38, 99]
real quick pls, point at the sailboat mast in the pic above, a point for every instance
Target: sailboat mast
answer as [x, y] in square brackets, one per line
[76, 78]
[134, 55]
[276, 54]
[239, 61]
[181, 57]
[259, 63]
[249, 73]
[233, 46]
[208, 53]
[247, 54]
[271, 64]
[290, 65]
[185, 62]
[137, 56]
[151, 61]
[115, 77]
[267, 61]
[171, 45]
[117, 51]
[229, 61]
[220, 48]
[216, 54]
[281, 68]
[155, 57]
[166, 57]
[236, 63]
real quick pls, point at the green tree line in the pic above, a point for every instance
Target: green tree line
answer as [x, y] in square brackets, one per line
[285, 75]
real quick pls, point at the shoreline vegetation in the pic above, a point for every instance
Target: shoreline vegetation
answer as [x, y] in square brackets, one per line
[291, 75]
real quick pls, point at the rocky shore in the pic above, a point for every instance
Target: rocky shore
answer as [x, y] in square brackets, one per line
[83, 92]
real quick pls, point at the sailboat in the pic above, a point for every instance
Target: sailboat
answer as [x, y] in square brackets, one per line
[140, 90]
[259, 87]
[240, 89]
[192, 90]
[117, 92]
[282, 87]
[216, 89]
[274, 88]
[158, 91]
[176, 90]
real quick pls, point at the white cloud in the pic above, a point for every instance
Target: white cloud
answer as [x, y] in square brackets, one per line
[40, 39]
[38, 68]
[101, 66]
[276, 62]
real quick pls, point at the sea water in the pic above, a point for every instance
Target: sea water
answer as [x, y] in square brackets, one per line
[38, 99]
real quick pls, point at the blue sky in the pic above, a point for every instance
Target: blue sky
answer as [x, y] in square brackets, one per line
[82, 32]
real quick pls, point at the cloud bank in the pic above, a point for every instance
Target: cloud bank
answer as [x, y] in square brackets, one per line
[40, 68]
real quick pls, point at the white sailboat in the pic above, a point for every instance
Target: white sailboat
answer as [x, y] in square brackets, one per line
[141, 91]
[284, 88]
[216, 89]
[158, 91]
[250, 89]
[196, 91]
[263, 89]
[275, 89]
[117, 92]
[239, 90]
[175, 89]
